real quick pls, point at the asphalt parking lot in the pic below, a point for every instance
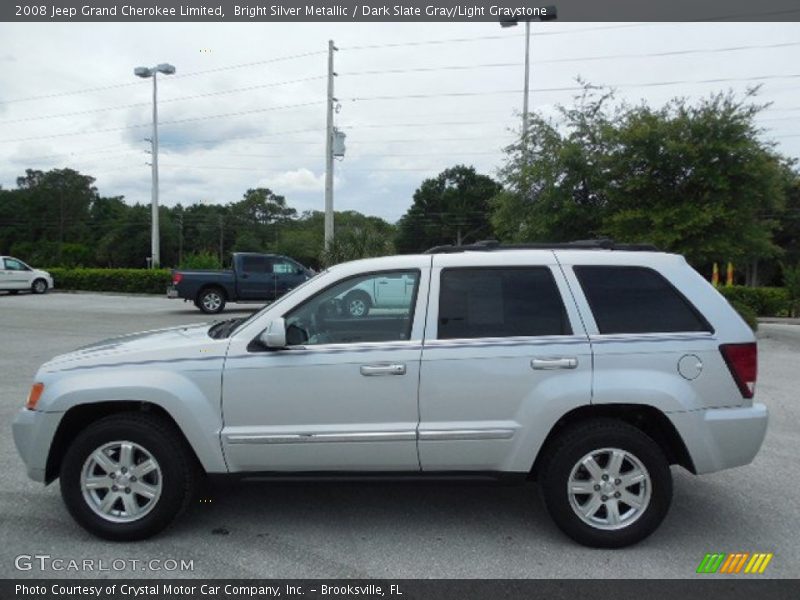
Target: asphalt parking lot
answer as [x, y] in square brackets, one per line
[387, 529]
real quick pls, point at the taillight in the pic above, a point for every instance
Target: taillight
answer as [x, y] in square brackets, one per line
[742, 360]
[176, 278]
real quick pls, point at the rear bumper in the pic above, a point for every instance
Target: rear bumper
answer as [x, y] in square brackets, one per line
[722, 438]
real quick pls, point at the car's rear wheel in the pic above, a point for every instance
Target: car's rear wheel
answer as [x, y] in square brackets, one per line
[39, 286]
[606, 483]
[211, 300]
[126, 477]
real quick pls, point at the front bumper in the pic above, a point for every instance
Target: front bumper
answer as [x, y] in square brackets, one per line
[33, 436]
[722, 438]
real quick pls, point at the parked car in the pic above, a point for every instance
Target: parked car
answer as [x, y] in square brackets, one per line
[16, 276]
[589, 367]
[252, 277]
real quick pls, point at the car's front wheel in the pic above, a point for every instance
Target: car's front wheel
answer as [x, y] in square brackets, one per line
[39, 286]
[606, 483]
[127, 476]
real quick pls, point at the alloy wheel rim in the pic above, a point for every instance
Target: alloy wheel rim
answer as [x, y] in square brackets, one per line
[357, 307]
[121, 481]
[609, 489]
[212, 301]
[39, 286]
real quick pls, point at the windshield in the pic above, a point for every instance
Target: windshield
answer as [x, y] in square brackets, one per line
[291, 292]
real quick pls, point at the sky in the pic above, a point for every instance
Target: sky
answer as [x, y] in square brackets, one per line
[246, 107]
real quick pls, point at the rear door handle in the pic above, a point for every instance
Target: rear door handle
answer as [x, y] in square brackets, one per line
[550, 363]
[378, 370]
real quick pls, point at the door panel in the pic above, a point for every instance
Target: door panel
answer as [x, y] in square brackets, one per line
[488, 402]
[14, 275]
[342, 398]
[254, 278]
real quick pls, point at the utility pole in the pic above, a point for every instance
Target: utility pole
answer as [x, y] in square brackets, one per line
[180, 237]
[527, 82]
[329, 150]
[221, 241]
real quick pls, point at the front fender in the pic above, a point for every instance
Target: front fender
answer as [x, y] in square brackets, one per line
[193, 402]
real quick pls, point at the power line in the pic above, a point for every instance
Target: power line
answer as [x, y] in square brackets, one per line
[489, 37]
[165, 123]
[190, 74]
[178, 99]
[576, 88]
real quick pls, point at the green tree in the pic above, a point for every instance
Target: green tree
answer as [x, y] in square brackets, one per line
[693, 179]
[451, 208]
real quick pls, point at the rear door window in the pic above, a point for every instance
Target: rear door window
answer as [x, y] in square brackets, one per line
[637, 300]
[500, 302]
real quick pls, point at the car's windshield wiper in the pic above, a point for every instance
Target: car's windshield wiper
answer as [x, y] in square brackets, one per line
[223, 329]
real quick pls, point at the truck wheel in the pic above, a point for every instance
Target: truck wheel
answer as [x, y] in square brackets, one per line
[211, 300]
[126, 477]
[605, 483]
[357, 304]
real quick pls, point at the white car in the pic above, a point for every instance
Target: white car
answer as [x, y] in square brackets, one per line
[591, 368]
[16, 276]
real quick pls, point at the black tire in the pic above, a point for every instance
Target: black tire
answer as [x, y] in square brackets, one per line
[180, 474]
[357, 304]
[39, 286]
[211, 300]
[597, 435]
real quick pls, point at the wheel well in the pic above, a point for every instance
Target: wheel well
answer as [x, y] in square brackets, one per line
[360, 293]
[646, 418]
[79, 417]
[213, 286]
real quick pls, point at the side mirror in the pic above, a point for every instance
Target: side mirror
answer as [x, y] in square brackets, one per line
[275, 335]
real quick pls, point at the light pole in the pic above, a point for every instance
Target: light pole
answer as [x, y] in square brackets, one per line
[145, 72]
[549, 14]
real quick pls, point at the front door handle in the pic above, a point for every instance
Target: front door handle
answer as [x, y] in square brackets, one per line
[561, 362]
[377, 370]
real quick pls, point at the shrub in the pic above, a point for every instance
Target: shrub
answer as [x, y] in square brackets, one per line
[131, 281]
[762, 301]
[747, 313]
[791, 279]
[201, 260]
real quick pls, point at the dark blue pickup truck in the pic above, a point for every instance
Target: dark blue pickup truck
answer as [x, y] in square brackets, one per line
[252, 278]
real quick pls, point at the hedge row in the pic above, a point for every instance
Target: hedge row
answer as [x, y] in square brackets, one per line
[131, 281]
[762, 301]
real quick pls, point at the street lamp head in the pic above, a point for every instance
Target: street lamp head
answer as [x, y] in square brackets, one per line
[166, 69]
[143, 72]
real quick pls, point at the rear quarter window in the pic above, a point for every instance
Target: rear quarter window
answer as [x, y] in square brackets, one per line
[637, 300]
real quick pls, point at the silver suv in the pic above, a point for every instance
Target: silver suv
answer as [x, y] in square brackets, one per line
[591, 368]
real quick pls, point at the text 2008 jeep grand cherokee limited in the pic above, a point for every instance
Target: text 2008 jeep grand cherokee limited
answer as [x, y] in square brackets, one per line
[589, 368]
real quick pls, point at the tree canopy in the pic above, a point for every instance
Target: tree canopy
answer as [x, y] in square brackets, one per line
[693, 179]
[451, 208]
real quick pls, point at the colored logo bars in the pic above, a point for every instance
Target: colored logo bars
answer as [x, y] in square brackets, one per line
[739, 562]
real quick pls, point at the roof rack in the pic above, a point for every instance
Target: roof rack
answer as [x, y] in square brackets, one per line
[494, 245]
